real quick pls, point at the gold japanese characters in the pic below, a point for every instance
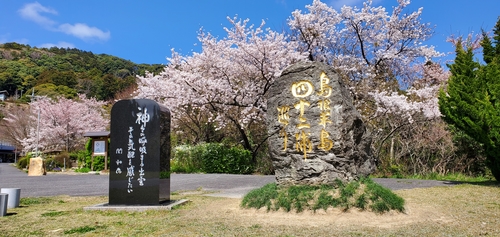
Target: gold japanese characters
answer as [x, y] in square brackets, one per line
[303, 90]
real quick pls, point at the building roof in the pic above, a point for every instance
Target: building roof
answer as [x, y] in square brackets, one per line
[5, 147]
[96, 134]
[4, 92]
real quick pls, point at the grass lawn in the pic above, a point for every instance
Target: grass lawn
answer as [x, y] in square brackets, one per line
[461, 210]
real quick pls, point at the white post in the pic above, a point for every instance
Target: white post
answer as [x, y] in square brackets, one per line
[14, 196]
[3, 203]
[37, 132]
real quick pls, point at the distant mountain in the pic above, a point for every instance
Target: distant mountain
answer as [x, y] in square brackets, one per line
[66, 72]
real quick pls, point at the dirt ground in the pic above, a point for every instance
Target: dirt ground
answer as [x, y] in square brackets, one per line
[431, 210]
[414, 213]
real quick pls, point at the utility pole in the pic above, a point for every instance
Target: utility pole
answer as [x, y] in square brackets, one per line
[37, 124]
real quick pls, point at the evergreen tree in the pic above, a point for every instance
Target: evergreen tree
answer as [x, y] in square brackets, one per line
[471, 102]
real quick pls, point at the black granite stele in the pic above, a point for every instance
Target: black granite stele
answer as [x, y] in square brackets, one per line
[139, 150]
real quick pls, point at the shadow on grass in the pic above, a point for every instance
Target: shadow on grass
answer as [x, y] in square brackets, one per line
[11, 214]
[487, 183]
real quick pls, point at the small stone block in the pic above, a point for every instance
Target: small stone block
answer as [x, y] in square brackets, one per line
[37, 167]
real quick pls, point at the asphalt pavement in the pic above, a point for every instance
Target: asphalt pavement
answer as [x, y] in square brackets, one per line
[224, 185]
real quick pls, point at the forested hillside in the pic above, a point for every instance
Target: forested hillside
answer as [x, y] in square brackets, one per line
[67, 72]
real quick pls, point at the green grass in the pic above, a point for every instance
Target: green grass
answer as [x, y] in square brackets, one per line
[446, 177]
[53, 213]
[364, 195]
[82, 170]
[81, 230]
[383, 199]
[262, 197]
[457, 210]
[34, 200]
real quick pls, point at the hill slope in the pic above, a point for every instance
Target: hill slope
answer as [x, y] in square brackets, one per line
[58, 71]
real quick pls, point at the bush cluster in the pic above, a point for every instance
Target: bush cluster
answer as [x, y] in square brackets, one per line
[186, 159]
[84, 158]
[211, 158]
[24, 161]
[364, 195]
[57, 162]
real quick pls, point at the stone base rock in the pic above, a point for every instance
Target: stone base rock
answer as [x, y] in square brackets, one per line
[316, 133]
[37, 167]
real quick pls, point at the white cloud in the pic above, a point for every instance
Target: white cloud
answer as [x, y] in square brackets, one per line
[60, 44]
[32, 12]
[84, 31]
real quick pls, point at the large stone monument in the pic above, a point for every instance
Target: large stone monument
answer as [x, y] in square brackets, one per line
[316, 134]
[139, 151]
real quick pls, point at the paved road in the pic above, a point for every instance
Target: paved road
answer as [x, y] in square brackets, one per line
[225, 185]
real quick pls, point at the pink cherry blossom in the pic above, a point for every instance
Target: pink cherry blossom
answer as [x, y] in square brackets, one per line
[63, 122]
[230, 77]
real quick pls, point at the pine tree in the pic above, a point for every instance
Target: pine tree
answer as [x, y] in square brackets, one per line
[471, 101]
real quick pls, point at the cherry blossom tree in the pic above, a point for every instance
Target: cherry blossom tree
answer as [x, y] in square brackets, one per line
[16, 125]
[383, 58]
[380, 55]
[404, 117]
[366, 44]
[63, 122]
[421, 98]
[228, 80]
[472, 41]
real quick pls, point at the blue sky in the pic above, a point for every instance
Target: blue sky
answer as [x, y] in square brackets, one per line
[145, 31]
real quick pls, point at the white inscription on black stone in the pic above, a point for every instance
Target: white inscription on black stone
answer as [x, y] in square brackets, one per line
[140, 141]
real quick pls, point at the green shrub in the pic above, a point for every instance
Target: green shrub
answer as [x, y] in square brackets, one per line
[57, 162]
[360, 194]
[82, 170]
[261, 197]
[51, 164]
[211, 158]
[296, 197]
[325, 200]
[74, 156]
[186, 159]
[239, 160]
[383, 199]
[84, 158]
[361, 202]
[80, 157]
[217, 158]
[23, 162]
[98, 163]
[62, 158]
